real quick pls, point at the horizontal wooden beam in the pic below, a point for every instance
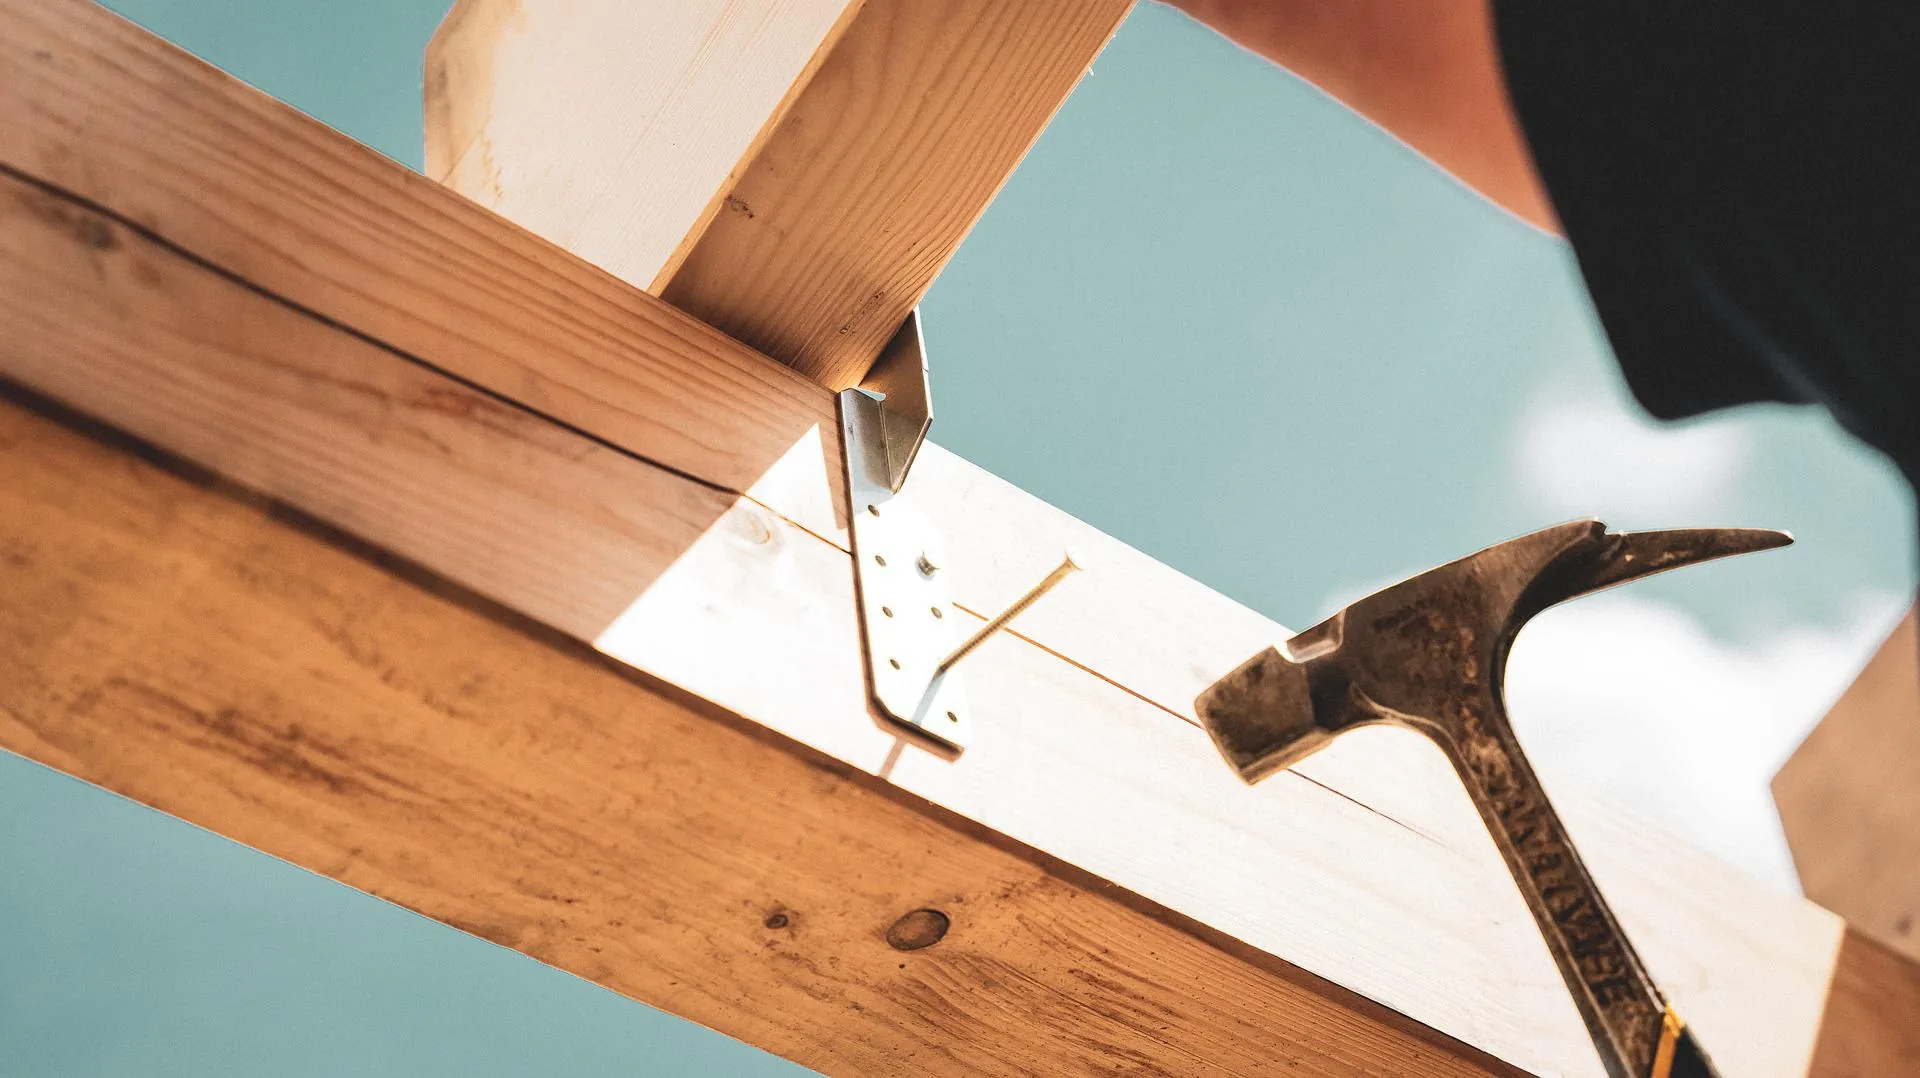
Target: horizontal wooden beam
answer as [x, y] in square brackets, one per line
[306, 343]
[794, 172]
[222, 663]
[1850, 795]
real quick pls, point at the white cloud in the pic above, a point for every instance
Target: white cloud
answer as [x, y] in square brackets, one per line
[1594, 457]
[1633, 699]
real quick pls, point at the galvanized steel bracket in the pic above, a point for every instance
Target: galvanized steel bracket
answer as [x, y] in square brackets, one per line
[907, 622]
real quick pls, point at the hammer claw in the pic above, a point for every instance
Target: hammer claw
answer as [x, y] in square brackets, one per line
[1624, 556]
[1429, 653]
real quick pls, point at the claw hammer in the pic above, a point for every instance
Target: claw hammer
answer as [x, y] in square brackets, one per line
[1430, 654]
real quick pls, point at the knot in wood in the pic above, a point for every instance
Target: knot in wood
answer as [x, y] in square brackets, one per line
[918, 929]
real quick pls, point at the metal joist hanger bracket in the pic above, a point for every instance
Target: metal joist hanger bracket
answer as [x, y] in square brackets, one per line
[899, 376]
[910, 631]
[908, 623]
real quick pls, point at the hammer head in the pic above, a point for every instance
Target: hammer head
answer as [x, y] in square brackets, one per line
[1431, 652]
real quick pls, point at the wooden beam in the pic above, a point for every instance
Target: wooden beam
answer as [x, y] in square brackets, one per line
[1849, 798]
[1872, 1025]
[299, 348]
[265, 193]
[794, 173]
[613, 128]
[200, 655]
[168, 637]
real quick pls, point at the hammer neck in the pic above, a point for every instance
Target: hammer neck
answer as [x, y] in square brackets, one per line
[1617, 999]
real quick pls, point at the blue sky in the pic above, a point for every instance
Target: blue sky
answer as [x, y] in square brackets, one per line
[1224, 319]
[1215, 315]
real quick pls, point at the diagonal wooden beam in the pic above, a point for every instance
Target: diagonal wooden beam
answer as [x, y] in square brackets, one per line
[275, 354]
[794, 172]
[693, 585]
[219, 662]
[267, 194]
[174, 640]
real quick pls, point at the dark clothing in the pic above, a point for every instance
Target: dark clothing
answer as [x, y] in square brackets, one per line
[1741, 186]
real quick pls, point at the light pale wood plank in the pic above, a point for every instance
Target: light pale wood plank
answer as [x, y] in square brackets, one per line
[1849, 799]
[611, 127]
[184, 648]
[738, 606]
[853, 182]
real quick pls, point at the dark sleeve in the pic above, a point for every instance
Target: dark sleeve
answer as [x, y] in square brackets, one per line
[1741, 186]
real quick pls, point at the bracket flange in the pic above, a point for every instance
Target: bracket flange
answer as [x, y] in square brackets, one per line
[907, 621]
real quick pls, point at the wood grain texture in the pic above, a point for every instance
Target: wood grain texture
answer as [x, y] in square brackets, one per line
[1872, 1025]
[610, 127]
[733, 603]
[839, 225]
[1369, 868]
[187, 649]
[113, 114]
[1849, 799]
[854, 181]
[254, 189]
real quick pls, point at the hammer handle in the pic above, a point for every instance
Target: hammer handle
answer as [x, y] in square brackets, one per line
[1635, 1031]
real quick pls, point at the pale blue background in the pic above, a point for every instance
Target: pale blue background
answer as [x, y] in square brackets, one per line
[1213, 314]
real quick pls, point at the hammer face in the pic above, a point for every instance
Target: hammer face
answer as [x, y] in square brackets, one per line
[1261, 716]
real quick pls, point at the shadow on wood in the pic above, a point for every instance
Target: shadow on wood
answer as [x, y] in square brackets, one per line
[337, 708]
